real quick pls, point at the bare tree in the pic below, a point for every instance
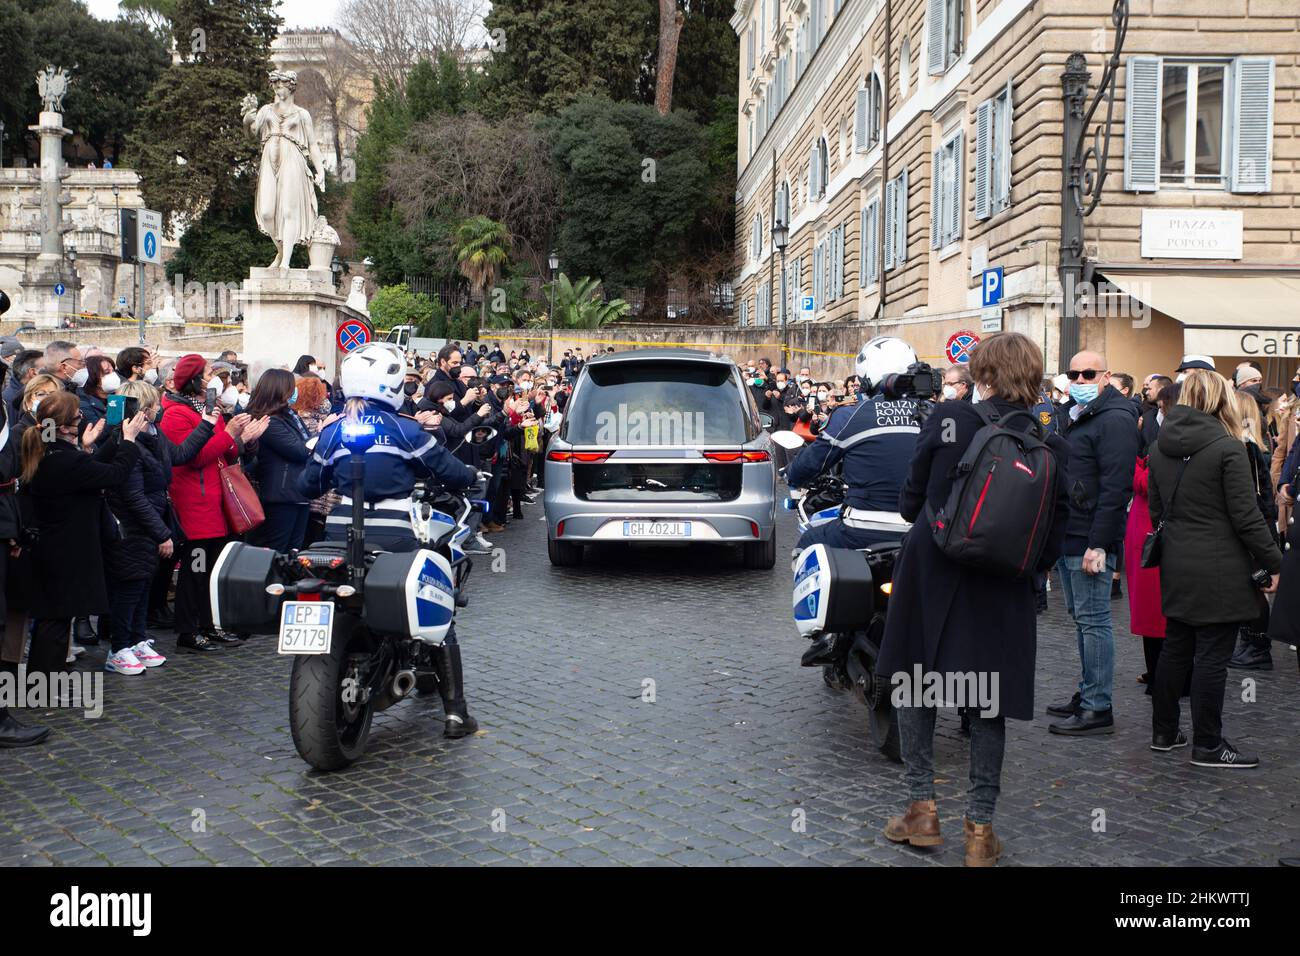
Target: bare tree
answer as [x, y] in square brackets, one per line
[462, 166]
[344, 82]
[391, 36]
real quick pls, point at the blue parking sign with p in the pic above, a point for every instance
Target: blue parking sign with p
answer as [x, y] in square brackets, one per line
[991, 289]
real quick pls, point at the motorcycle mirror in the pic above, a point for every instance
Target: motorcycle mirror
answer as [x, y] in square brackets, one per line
[787, 440]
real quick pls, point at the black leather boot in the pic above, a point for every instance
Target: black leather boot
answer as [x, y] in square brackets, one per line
[1253, 652]
[451, 686]
[83, 633]
[13, 733]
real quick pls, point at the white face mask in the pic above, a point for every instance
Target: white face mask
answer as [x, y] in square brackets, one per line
[801, 379]
[79, 377]
[151, 375]
[949, 392]
[1160, 417]
[822, 396]
[216, 383]
[242, 400]
[230, 396]
[449, 405]
[110, 382]
[975, 396]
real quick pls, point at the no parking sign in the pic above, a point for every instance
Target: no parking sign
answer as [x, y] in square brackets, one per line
[959, 346]
[352, 334]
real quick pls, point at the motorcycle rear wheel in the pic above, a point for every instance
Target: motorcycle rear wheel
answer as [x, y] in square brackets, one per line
[329, 733]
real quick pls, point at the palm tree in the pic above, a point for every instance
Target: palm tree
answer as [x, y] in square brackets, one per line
[480, 246]
[580, 306]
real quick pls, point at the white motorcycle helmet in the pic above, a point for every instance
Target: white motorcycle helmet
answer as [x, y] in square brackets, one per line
[375, 370]
[881, 357]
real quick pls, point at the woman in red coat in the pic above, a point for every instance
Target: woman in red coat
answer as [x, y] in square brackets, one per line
[1145, 616]
[195, 494]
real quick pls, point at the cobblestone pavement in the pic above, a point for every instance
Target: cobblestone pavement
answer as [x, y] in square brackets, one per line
[192, 764]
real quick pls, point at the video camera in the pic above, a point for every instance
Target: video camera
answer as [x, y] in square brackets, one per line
[920, 382]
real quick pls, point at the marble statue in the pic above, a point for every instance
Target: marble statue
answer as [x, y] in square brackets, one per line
[52, 84]
[167, 315]
[15, 209]
[357, 297]
[291, 169]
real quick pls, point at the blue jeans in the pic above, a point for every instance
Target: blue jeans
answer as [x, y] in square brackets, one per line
[988, 742]
[1088, 598]
[130, 604]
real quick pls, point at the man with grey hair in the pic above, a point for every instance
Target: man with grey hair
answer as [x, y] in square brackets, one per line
[956, 384]
[63, 360]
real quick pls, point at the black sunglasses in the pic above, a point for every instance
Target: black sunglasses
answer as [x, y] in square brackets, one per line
[1087, 374]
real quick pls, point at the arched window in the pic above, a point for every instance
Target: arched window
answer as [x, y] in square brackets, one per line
[869, 113]
[756, 238]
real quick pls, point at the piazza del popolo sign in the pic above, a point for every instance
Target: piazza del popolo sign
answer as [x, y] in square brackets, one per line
[1191, 234]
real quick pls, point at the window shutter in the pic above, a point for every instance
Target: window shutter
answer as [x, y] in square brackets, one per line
[984, 159]
[817, 274]
[1252, 125]
[1002, 179]
[900, 214]
[935, 32]
[891, 230]
[936, 199]
[839, 261]
[1142, 124]
[956, 209]
[812, 172]
[860, 120]
[872, 254]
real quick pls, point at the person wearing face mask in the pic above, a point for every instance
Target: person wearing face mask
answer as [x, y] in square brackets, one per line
[956, 384]
[66, 488]
[195, 492]
[872, 440]
[313, 407]
[282, 453]
[133, 365]
[63, 360]
[147, 536]
[1101, 430]
[98, 379]
[306, 365]
[1149, 422]
[777, 398]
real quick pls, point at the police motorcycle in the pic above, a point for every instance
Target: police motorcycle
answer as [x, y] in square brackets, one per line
[361, 623]
[841, 596]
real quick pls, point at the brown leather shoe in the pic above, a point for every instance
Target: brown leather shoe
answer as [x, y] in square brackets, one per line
[919, 826]
[493, 528]
[982, 845]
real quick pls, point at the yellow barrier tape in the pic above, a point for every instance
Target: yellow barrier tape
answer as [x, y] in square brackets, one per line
[94, 317]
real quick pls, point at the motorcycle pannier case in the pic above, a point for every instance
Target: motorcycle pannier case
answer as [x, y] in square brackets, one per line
[237, 587]
[410, 593]
[832, 590]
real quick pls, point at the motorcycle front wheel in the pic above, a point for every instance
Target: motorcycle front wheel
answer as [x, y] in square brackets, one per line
[329, 731]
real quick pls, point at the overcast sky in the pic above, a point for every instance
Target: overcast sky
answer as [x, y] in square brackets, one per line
[296, 13]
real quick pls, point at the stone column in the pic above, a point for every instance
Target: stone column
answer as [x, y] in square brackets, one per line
[50, 268]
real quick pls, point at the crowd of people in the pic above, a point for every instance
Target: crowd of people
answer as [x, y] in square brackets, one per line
[1177, 494]
[111, 482]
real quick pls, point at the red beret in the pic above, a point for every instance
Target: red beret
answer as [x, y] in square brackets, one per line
[187, 367]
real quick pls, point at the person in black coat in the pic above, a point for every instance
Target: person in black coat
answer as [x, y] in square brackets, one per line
[1214, 540]
[282, 454]
[67, 487]
[949, 618]
[146, 529]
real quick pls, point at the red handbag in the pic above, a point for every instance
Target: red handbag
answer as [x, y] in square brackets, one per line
[238, 499]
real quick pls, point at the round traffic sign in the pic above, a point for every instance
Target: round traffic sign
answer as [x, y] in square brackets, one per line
[150, 245]
[352, 335]
[959, 346]
[60, 289]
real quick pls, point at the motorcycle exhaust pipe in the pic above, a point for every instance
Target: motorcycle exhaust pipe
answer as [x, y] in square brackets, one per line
[403, 684]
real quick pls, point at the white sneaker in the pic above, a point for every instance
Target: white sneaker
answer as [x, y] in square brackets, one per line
[124, 662]
[482, 542]
[75, 651]
[147, 656]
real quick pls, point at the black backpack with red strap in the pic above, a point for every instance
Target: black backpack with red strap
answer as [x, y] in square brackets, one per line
[999, 511]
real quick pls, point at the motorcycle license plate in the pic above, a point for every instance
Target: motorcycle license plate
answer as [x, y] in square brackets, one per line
[656, 529]
[306, 627]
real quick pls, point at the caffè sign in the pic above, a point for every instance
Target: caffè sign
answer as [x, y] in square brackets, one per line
[1191, 234]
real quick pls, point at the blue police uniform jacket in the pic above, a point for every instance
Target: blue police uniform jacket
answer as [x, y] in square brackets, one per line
[403, 453]
[874, 440]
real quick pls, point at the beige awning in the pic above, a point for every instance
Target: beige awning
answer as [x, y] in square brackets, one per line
[1222, 302]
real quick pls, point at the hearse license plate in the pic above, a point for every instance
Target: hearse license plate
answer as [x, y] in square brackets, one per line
[306, 627]
[656, 529]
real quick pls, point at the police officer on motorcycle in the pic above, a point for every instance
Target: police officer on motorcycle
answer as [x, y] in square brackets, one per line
[873, 442]
[403, 453]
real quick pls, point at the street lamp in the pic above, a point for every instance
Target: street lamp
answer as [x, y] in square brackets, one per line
[72, 261]
[336, 269]
[554, 262]
[781, 236]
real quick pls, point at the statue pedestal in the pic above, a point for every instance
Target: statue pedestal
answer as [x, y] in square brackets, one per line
[44, 308]
[288, 313]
